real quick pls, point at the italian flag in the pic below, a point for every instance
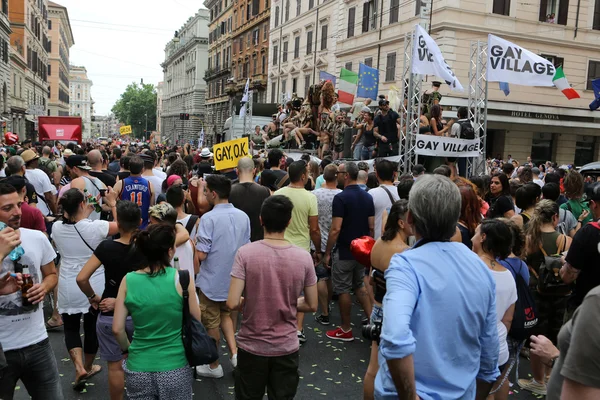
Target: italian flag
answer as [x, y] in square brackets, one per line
[562, 84]
[347, 88]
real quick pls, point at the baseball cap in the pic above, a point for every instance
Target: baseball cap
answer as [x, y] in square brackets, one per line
[29, 155]
[78, 161]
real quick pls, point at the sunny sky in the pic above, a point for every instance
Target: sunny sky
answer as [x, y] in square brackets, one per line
[122, 41]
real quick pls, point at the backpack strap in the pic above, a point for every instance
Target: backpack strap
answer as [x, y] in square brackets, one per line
[543, 251]
[561, 248]
[191, 223]
[389, 194]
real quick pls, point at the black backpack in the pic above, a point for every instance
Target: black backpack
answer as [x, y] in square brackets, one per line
[525, 318]
[466, 129]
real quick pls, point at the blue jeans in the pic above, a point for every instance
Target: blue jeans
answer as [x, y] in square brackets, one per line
[357, 154]
[36, 366]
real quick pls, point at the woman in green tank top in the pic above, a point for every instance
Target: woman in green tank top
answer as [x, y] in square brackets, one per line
[156, 366]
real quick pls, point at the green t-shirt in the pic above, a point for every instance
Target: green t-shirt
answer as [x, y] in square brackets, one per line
[576, 206]
[156, 309]
[305, 205]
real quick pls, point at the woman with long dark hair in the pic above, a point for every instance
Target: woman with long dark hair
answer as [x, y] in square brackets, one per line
[117, 258]
[526, 198]
[76, 237]
[393, 240]
[156, 366]
[492, 242]
[366, 132]
[499, 199]
[436, 125]
[470, 214]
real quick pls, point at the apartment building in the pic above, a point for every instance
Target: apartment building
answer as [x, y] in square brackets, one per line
[5, 73]
[81, 103]
[29, 64]
[184, 89]
[530, 121]
[61, 41]
[159, 105]
[250, 45]
[219, 74]
[303, 41]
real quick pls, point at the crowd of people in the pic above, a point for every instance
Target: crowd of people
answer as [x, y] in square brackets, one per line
[456, 278]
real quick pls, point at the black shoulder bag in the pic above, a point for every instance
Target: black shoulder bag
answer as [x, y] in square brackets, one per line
[199, 347]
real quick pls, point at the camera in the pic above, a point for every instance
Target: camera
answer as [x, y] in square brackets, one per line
[372, 332]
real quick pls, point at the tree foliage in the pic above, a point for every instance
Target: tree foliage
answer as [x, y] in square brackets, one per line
[135, 103]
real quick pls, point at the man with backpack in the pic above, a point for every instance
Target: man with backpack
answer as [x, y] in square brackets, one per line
[176, 197]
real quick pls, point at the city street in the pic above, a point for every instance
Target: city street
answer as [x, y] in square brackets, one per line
[327, 368]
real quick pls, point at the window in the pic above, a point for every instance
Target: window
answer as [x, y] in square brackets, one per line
[556, 61]
[283, 85]
[284, 52]
[309, 42]
[554, 11]
[49, 25]
[287, 11]
[351, 21]
[248, 12]
[275, 55]
[593, 73]
[235, 20]
[418, 5]
[255, 7]
[324, 37]
[369, 61]
[248, 39]
[369, 21]
[298, 7]
[49, 69]
[306, 85]
[276, 17]
[394, 8]
[255, 36]
[266, 4]
[5, 6]
[297, 47]
[348, 66]
[501, 7]
[273, 91]
[264, 64]
[596, 23]
[294, 85]
[390, 68]
[311, 4]
[265, 31]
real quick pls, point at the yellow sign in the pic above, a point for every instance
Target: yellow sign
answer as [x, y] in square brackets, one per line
[125, 130]
[227, 154]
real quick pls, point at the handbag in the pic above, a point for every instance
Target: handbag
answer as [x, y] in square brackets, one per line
[200, 348]
[549, 281]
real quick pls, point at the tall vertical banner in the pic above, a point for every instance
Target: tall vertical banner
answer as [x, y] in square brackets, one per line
[201, 139]
[244, 99]
[510, 63]
[428, 59]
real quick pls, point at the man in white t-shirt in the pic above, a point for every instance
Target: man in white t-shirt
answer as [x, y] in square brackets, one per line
[149, 158]
[45, 190]
[22, 331]
[386, 194]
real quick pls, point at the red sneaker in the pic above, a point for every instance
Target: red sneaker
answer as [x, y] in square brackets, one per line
[339, 334]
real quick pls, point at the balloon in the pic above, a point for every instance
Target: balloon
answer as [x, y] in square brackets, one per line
[11, 138]
[361, 249]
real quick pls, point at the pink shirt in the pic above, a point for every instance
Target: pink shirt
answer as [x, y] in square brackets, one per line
[275, 277]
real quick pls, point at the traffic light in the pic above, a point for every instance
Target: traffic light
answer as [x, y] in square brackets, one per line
[187, 117]
[184, 116]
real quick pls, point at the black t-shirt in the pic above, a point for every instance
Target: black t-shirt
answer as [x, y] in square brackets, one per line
[123, 175]
[204, 168]
[118, 259]
[280, 174]
[584, 255]
[32, 197]
[249, 197]
[387, 125]
[499, 205]
[107, 179]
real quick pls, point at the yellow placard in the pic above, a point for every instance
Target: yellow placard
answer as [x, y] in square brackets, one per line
[125, 130]
[227, 154]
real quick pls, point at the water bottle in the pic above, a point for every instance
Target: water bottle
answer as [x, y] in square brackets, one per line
[176, 263]
[18, 251]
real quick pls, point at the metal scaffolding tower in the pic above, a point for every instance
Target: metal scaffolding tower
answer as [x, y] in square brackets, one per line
[478, 97]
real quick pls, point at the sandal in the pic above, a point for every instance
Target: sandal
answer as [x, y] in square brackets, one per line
[50, 326]
[94, 371]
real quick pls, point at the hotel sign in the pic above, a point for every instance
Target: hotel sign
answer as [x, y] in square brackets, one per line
[534, 115]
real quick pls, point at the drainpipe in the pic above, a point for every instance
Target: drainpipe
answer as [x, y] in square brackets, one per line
[316, 42]
[577, 18]
[280, 49]
[380, 25]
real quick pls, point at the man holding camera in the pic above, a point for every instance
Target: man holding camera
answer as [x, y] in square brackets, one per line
[386, 130]
[439, 336]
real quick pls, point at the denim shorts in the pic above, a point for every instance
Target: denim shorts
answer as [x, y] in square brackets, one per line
[376, 314]
[323, 273]
[108, 346]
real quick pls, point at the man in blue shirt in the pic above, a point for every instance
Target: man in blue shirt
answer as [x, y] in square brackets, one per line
[439, 338]
[222, 231]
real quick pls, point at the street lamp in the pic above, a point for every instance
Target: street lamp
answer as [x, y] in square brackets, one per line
[146, 115]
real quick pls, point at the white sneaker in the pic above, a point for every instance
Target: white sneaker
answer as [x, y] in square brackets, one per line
[234, 361]
[207, 372]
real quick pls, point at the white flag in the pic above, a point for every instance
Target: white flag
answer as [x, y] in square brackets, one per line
[244, 101]
[201, 139]
[428, 59]
[507, 62]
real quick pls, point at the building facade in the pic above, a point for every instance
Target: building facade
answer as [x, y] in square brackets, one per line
[61, 40]
[184, 89]
[219, 101]
[80, 98]
[29, 63]
[532, 121]
[5, 70]
[105, 126]
[303, 40]
[159, 105]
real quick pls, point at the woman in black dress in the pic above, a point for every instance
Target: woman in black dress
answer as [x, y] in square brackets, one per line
[501, 204]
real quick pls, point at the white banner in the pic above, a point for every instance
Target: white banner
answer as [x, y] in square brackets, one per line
[507, 62]
[442, 146]
[428, 59]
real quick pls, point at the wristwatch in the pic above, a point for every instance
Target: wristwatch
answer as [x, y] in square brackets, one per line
[92, 296]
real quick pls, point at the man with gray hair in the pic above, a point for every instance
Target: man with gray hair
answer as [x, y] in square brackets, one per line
[248, 196]
[353, 216]
[439, 336]
[16, 166]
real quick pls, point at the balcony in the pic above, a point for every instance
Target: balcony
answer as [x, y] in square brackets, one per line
[211, 73]
[259, 81]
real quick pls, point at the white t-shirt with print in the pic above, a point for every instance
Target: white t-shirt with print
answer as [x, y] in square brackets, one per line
[41, 183]
[381, 200]
[23, 326]
[325, 203]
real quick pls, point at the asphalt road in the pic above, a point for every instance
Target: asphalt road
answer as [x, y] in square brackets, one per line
[327, 369]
